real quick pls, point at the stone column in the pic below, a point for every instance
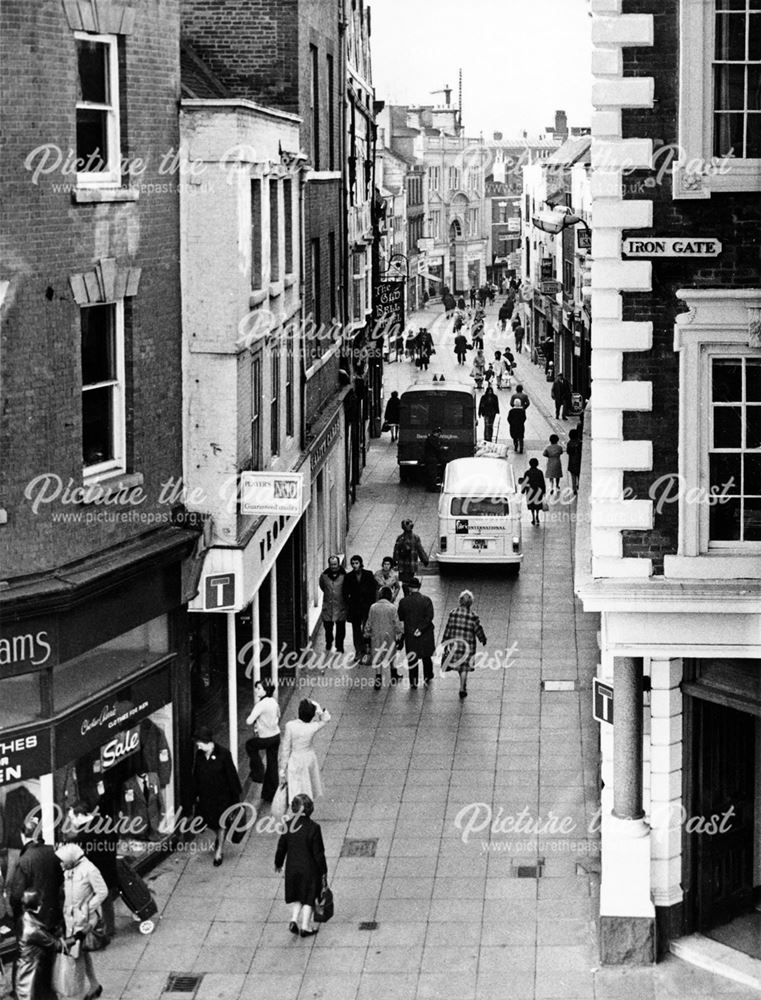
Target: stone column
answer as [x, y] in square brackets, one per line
[627, 738]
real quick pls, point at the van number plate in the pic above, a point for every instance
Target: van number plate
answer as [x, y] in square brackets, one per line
[479, 543]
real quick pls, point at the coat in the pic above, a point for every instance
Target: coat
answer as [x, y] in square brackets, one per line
[333, 602]
[216, 785]
[534, 486]
[460, 343]
[488, 408]
[34, 965]
[573, 450]
[462, 629]
[416, 613]
[554, 468]
[38, 868]
[391, 581]
[299, 765]
[302, 849]
[383, 628]
[391, 416]
[84, 892]
[143, 811]
[359, 593]
[408, 549]
[516, 421]
[525, 401]
[561, 390]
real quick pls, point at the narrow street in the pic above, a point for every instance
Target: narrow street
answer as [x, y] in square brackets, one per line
[435, 897]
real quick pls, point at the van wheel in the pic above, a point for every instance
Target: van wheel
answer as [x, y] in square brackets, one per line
[444, 569]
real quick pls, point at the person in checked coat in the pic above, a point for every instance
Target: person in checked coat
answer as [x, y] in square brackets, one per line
[306, 871]
[216, 786]
[416, 616]
[462, 629]
[408, 552]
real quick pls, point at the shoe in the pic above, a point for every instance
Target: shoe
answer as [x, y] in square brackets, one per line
[94, 994]
[293, 927]
[427, 682]
[309, 933]
[378, 684]
[218, 861]
[463, 694]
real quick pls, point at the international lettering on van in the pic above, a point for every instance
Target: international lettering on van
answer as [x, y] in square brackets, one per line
[33, 647]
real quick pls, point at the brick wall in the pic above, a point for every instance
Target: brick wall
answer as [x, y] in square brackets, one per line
[45, 238]
[734, 219]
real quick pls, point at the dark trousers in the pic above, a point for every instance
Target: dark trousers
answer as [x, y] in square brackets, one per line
[427, 661]
[560, 405]
[267, 776]
[488, 428]
[340, 635]
[358, 623]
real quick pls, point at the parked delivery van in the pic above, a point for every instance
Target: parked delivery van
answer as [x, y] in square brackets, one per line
[425, 406]
[480, 513]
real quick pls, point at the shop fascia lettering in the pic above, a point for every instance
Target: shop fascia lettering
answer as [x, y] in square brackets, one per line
[107, 717]
[28, 647]
[23, 757]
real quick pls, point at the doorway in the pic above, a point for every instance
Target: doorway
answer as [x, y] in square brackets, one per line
[723, 784]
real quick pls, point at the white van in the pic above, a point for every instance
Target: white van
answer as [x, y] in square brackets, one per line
[480, 513]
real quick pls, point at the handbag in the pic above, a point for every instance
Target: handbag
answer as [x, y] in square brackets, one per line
[236, 818]
[386, 426]
[96, 938]
[279, 805]
[323, 906]
[68, 979]
[545, 505]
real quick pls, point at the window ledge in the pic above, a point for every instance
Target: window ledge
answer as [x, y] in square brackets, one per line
[101, 488]
[97, 195]
[276, 289]
[290, 280]
[256, 298]
[714, 566]
[722, 177]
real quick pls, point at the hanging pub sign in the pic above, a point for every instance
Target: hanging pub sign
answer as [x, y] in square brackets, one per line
[548, 269]
[583, 239]
[388, 308]
[661, 246]
[24, 756]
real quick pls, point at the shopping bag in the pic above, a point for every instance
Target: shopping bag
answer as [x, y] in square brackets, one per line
[323, 906]
[68, 981]
[279, 805]
[96, 938]
[386, 426]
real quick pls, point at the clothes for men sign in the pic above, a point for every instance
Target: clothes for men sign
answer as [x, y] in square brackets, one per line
[388, 307]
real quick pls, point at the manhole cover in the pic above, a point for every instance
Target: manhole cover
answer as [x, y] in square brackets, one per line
[558, 685]
[183, 983]
[528, 869]
[353, 848]
[368, 925]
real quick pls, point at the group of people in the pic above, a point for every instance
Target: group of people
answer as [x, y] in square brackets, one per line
[534, 482]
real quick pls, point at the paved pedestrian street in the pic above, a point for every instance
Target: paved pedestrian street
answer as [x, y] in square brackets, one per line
[461, 836]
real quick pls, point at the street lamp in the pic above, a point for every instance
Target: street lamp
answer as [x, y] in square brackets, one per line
[558, 219]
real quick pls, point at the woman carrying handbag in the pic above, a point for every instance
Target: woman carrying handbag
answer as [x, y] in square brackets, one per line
[84, 892]
[306, 870]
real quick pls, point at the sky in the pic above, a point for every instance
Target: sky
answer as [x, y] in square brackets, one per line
[521, 59]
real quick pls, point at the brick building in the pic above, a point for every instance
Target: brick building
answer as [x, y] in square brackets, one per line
[675, 473]
[94, 682]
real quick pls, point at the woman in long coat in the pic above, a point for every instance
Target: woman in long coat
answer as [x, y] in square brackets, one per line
[216, 786]
[83, 894]
[462, 629]
[302, 850]
[36, 950]
[298, 761]
[383, 629]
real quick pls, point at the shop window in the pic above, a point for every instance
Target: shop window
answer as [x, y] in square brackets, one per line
[97, 669]
[17, 800]
[256, 413]
[20, 700]
[98, 154]
[102, 362]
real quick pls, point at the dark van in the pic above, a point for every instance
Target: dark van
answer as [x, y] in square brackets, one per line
[450, 406]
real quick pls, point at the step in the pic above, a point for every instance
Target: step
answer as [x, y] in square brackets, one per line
[696, 949]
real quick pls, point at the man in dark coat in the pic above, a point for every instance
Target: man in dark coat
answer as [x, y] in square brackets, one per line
[360, 593]
[461, 348]
[561, 393]
[37, 868]
[433, 459]
[216, 786]
[416, 615]
[488, 408]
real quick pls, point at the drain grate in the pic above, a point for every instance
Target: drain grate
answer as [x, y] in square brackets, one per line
[528, 869]
[368, 925]
[558, 685]
[354, 848]
[184, 983]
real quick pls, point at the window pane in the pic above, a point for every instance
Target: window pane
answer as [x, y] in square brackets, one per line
[753, 427]
[92, 139]
[98, 344]
[730, 5]
[725, 474]
[754, 37]
[729, 83]
[724, 522]
[754, 92]
[486, 507]
[727, 381]
[752, 478]
[752, 521]
[753, 380]
[753, 141]
[730, 37]
[727, 427]
[97, 426]
[92, 60]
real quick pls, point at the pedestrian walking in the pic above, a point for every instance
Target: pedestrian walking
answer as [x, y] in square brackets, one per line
[265, 718]
[504, 314]
[391, 416]
[95, 832]
[472, 296]
[383, 630]
[554, 469]
[359, 593]
[433, 459]
[510, 359]
[37, 868]
[425, 347]
[408, 553]
[534, 488]
[334, 612]
[519, 333]
[479, 368]
[461, 302]
[516, 421]
[298, 761]
[561, 394]
[216, 786]
[37, 948]
[462, 630]
[489, 374]
[302, 850]
[488, 408]
[387, 576]
[410, 344]
[573, 450]
[416, 616]
[83, 893]
[460, 348]
[521, 395]
[477, 333]
[483, 294]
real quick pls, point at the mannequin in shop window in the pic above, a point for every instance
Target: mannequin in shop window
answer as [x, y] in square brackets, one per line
[142, 805]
